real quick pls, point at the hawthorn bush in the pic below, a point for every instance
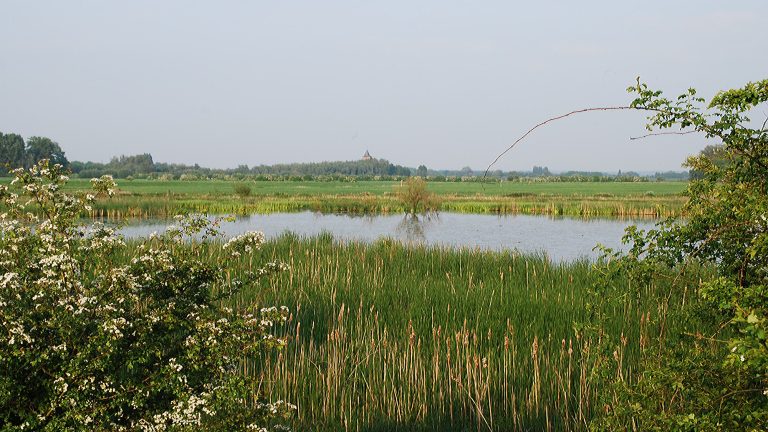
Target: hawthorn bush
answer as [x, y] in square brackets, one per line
[95, 335]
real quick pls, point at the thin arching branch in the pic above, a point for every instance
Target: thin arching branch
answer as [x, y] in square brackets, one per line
[664, 133]
[703, 129]
[584, 110]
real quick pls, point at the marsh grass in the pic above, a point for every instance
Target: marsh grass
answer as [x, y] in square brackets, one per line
[158, 199]
[388, 337]
[159, 206]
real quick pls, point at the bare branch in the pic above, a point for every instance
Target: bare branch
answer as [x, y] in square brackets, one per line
[663, 133]
[616, 108]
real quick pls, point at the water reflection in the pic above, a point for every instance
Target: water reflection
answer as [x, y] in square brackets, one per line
[412, 228]
[561, 239]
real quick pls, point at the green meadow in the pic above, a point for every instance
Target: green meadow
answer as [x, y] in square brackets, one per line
[267, 188]
[159, 198]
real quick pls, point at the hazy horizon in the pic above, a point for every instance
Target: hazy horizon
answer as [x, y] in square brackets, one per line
[476, 170]
[446, 84]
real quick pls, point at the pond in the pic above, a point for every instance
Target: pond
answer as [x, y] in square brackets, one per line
[562, 239]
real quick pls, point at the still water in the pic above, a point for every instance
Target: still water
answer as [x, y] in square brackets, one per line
[562, 239]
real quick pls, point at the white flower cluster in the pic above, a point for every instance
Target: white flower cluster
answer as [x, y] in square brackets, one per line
[272, 267]
[115, 327]
[245, 243]
[104, 185]
[174, 366]
[102, 238]
[267, 317]
[276, 408]
[18, 334]
[159, 259]
[8, 280]
[183, 413]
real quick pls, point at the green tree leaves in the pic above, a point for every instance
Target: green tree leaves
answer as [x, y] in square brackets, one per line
[721, 366]
[14, 153]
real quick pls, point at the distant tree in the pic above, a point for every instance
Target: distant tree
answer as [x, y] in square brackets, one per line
[466, 171]
[77, 166]
[672, 175]
[39, 148]
[12, 151]
[421, 171]
[127, 165]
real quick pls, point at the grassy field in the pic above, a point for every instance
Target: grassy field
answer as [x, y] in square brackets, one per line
[386, 337]
[314, 188]
[156, 198]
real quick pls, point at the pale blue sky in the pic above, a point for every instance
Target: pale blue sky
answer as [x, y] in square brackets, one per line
[444, 83]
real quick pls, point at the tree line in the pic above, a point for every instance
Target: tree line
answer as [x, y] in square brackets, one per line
[144, 165]
[15, 152]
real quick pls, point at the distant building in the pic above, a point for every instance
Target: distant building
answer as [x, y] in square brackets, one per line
[367, 156]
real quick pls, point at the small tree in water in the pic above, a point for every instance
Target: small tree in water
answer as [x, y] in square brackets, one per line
[415, 197]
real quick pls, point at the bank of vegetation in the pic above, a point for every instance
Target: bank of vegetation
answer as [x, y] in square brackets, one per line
[159, 199]
[576, 206]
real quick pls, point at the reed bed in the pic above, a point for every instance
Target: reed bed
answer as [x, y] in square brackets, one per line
[391, 337]
[163, 206]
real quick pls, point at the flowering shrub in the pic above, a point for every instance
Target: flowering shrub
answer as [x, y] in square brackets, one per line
[90, 340]
[244, 243]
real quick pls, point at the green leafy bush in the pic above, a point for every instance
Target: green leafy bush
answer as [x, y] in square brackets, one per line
[714, 376]
[242, 190]
[97, 336]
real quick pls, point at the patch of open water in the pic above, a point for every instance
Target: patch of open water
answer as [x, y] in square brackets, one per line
[560, 238]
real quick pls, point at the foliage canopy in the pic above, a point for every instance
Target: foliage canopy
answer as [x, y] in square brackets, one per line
[714, 377]
[15, 153]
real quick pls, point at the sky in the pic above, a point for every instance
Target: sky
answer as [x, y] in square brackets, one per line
[444, 83]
